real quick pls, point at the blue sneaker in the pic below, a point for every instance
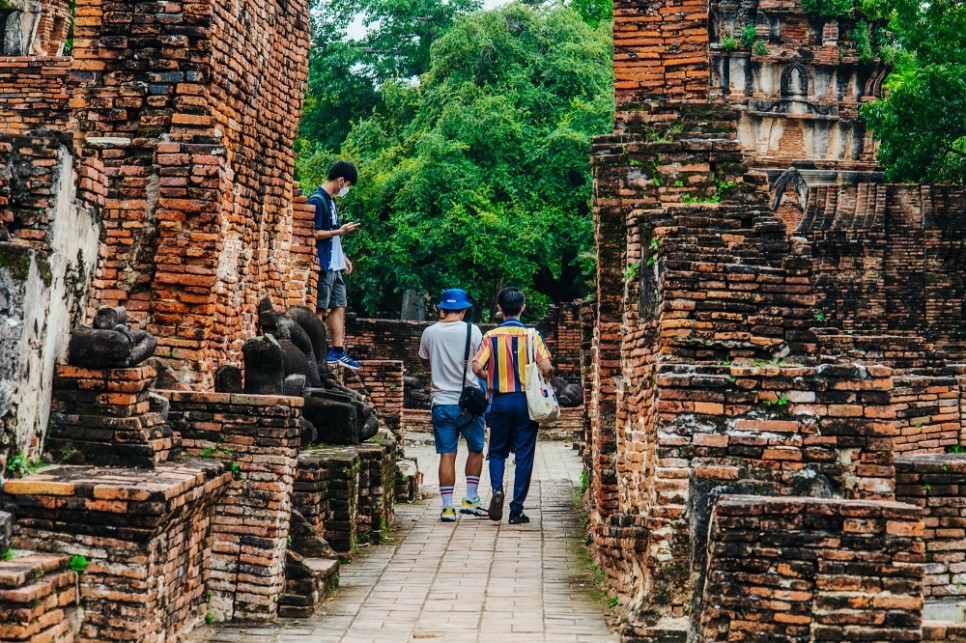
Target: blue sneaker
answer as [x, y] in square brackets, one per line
[349, 363]
[342, 359]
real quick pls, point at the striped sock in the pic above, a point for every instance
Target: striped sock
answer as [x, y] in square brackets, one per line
[447, 493]
[472, 484]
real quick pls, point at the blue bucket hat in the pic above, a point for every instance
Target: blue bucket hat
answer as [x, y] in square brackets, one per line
[454, 299]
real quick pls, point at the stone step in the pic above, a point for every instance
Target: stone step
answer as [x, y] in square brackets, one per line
[307, 583]
[943, 631]
[38, 598]
[24, 568]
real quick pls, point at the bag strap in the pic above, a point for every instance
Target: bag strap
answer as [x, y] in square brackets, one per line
[531, 348]
[466, 351]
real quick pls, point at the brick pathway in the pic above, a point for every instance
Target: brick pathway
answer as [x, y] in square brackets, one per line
[472, 581]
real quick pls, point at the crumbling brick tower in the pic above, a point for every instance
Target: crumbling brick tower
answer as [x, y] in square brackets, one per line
[772, 320]
[152, 167]
[193, 109]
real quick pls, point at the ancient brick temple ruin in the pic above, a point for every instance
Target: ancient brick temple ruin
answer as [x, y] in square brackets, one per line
[152, 168]
[774, 360]
[778, 357]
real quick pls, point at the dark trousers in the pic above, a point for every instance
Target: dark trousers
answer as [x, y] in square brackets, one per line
[511, 429]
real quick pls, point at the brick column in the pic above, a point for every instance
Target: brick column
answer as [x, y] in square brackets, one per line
[146, 537]
[258, 437]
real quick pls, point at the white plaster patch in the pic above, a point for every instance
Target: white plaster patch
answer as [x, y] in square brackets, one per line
[231, 252]
[50, 296]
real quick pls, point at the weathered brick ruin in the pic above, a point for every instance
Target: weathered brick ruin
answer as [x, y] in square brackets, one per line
[775, 360]
[772, 319]
[152, 168]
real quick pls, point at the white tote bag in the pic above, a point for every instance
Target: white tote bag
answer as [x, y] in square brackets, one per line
[541, 401]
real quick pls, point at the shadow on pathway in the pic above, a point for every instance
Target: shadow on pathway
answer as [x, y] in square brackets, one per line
[474, 580]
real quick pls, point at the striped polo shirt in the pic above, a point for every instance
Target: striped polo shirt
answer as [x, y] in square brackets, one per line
[504, 354]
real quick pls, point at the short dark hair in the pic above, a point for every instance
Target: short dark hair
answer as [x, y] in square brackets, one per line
[343, 170]
[511, 301]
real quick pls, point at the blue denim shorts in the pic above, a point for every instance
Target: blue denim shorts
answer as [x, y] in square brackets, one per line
[449, 421]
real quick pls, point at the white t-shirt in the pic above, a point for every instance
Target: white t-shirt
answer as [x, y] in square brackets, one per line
[337, 262]
[443, 344]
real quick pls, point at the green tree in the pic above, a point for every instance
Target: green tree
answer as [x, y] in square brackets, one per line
[593, 12]
[477, 175]
[921, 124]
[345, 73]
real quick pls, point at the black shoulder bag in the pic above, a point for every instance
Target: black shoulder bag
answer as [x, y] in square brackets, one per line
[472, 399]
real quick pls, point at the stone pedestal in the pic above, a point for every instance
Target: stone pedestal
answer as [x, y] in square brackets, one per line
[145, 537]
[104, 417]
[257, 436]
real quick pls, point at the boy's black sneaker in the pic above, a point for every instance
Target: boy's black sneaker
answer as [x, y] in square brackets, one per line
[495, 511]
[519, 519]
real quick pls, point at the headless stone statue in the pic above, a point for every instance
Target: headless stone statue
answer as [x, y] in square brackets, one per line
[110, 342]
[289, 359]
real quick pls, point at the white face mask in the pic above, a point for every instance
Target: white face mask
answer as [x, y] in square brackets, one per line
[344, 191]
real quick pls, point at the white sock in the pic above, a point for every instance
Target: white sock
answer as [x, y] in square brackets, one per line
[447, 493]
[472, 487]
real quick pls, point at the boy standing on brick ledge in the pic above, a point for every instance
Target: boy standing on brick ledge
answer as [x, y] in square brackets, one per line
[332, 260]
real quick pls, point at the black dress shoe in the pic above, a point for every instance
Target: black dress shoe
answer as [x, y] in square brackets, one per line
[519, 519]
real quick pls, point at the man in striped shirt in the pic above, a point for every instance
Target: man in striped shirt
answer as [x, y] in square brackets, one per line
[501, 360]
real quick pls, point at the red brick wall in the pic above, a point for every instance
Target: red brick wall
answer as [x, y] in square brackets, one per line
[258, 437]
[382, 380]
[569, 426]
[782, 431]
[145, 534]
[660, 51]
[889, 259]
[928, 413]
[776, 570]
[417, 420]
[49, 200]
[703, 266]
[937, 484]
[391, 339]
[200, 221]
[104, 417]
[347, 493]
[35, 92]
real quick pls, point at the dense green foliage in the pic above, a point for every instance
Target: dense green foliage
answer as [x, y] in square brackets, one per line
[345, 74]
[593, 12]
[921, 124]
[476, 174]
[828, 8]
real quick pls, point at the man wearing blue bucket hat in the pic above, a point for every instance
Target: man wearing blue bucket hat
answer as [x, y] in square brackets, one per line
[443, 349]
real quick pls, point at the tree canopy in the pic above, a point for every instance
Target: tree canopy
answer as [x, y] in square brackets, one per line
[476, 174]
[921, 124]
[346, 74]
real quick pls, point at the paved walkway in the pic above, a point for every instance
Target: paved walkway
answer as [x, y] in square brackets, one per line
[473, 581]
